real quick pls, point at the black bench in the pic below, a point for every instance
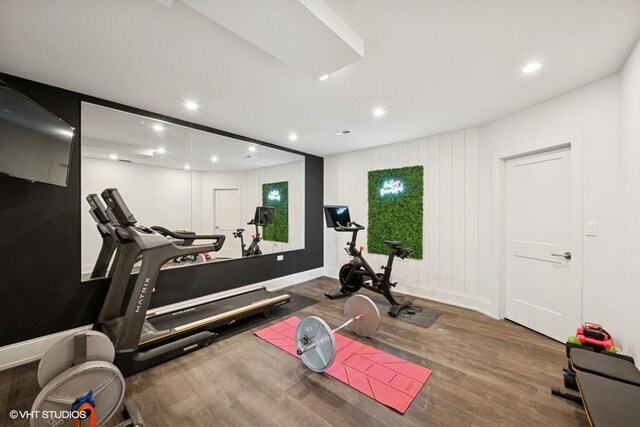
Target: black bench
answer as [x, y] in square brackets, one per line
[609, 403]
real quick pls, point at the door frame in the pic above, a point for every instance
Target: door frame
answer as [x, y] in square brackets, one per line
[573, 141]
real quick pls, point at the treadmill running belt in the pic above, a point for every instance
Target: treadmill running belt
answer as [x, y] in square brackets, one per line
[220, 312]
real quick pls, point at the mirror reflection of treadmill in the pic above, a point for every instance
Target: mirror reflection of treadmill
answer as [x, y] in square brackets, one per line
[107, 258]
[144, 338]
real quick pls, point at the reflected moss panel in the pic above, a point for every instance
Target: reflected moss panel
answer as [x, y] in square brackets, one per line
[276, 195]
[396, 209]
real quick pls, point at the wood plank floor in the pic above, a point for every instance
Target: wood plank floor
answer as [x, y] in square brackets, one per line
[486, 372]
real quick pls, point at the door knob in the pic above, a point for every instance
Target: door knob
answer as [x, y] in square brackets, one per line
[566, 255]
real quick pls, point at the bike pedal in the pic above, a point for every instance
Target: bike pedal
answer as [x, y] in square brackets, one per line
[393, 284]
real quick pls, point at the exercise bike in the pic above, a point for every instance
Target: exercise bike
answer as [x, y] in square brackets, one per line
[262, 217]
[357, 273]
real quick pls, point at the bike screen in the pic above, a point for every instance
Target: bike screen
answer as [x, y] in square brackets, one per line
[337, 215]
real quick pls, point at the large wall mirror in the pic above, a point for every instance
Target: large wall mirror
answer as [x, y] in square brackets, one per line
[186, 179]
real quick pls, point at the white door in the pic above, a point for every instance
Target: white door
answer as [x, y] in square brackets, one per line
[227, 210]
[541, 292]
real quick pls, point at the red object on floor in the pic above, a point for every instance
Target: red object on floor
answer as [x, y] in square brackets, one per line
[385, 378]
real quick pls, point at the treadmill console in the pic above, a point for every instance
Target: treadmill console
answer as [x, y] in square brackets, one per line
[117, 209]
[143, 229]
[97, 211]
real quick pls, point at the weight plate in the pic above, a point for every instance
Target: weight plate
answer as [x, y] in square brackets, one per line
[368, 324]
[321, 356]
[59, 357]
[103, 378]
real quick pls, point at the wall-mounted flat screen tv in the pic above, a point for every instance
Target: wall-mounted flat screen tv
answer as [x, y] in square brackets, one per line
[34, 144]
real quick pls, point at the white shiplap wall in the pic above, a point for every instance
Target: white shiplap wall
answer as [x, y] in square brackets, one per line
[449, 270]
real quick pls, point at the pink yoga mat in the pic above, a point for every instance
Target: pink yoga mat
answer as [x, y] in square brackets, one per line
[385, 378]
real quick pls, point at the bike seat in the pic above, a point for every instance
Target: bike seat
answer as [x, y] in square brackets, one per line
[393, 243]
[239, 230]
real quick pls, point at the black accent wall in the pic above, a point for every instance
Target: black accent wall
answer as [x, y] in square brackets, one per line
[40, 288]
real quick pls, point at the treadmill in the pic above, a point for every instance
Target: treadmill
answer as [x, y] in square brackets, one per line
[143, 339]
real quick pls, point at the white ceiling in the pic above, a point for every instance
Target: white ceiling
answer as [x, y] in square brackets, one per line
[434, 65]
[307, 35]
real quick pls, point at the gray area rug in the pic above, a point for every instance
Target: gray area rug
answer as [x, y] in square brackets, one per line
[421, 316]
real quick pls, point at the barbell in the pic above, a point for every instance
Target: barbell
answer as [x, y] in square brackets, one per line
[315, 340]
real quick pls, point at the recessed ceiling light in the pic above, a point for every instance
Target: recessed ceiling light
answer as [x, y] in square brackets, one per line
[161, 150]
[531, 67]
[158, 127]
[323, 77]
[293, 137]
[187, 167]
[191, 105]
[214, 159]
[379, 112]
[113, 157]
[252, 148]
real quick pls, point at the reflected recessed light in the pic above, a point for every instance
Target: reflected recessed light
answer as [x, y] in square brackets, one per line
[323, 77]
[214, 159]
[113, 157]
[187, 167]
[379, 112]
[293, 137]
[66, 132]
[531, 67]
[161, 150]
[191, 105]
[158, 127]
[252, 148]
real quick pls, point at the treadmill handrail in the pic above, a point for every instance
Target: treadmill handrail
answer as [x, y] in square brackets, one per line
[219, 238]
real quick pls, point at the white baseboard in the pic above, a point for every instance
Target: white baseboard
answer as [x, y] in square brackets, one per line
[331, 272]
[293, 279]
[28, 351]
[472, 302]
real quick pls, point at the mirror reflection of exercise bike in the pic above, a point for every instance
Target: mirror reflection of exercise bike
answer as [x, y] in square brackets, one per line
[262, 218]
[357, 273]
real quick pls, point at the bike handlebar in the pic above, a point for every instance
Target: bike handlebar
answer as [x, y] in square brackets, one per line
[351, 226]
